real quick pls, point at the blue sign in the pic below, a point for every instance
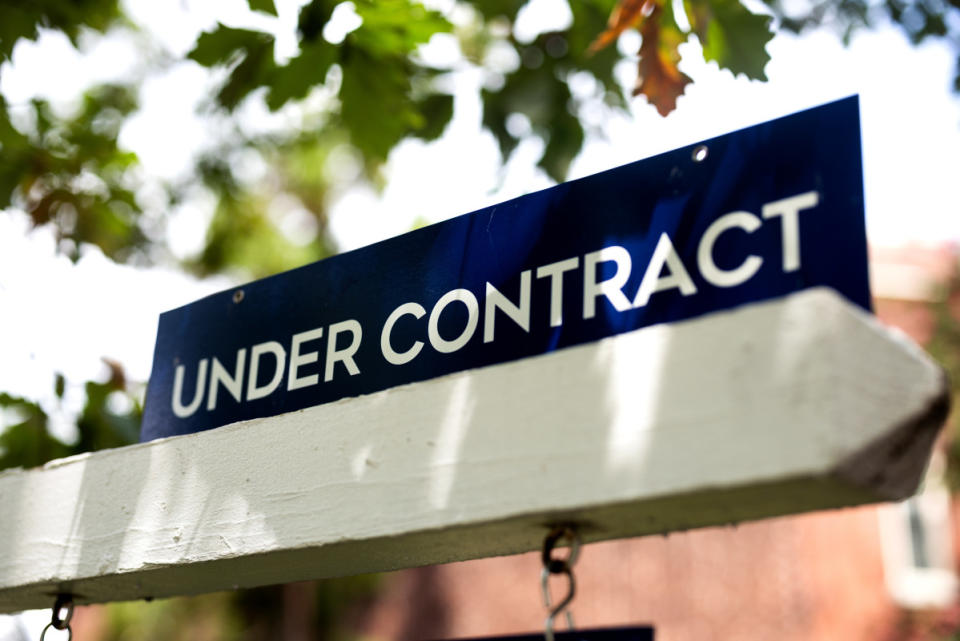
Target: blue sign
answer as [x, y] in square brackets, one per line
[638, 633]
[749, 216]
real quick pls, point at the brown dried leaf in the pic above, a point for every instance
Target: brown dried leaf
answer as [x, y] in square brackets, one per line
[658, 76]
[626, 14]
[118, 378]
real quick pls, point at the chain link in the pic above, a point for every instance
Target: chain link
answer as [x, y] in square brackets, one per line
[561, 566]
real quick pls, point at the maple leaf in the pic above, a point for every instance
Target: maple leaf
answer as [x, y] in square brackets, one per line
[626, 14]
[732, 36]
[659, 78]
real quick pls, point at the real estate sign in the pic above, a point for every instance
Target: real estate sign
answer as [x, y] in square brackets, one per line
[745, 217]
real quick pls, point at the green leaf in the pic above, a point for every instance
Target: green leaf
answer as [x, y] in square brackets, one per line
[491, 9]
[314, 17]
[224, 44]
[396, 27]
[732, 36]
[244, 240]
[564, 141]
[14, 149]
[74, 16]
[263, 6]
[437, 110]
[295, 79]
[544, 98]
[589, 19]
[375, 104]
[16, 22]
[27, 443]
[22, 20]
[254, 71]
[71, 174]
[101, 427]
[496, 110]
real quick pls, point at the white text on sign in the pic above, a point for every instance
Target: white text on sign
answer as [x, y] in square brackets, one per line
[298, 360]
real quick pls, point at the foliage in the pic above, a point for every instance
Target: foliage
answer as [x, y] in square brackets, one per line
[327, 609]
[245, 235]
[26, 440]
[945, 348]
[110, 418]
[70, 173]
[385, 94]
[202, 618]
[23, 20]
[731, 35]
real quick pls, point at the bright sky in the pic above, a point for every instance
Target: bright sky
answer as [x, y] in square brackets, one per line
[60, 317]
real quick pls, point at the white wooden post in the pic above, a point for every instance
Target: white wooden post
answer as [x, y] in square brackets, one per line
[798, 404]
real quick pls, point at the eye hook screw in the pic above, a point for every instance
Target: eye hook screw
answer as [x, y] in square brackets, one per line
[58, 621]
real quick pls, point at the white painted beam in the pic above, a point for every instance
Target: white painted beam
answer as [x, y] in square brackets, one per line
[799, 404]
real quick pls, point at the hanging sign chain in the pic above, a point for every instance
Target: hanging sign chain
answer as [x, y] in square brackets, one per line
[557, 565]
[64, 605]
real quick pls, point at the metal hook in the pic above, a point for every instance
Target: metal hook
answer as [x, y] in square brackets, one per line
[57, 622]
[555, 565]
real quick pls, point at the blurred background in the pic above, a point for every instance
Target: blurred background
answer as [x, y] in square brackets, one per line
[152, 153]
